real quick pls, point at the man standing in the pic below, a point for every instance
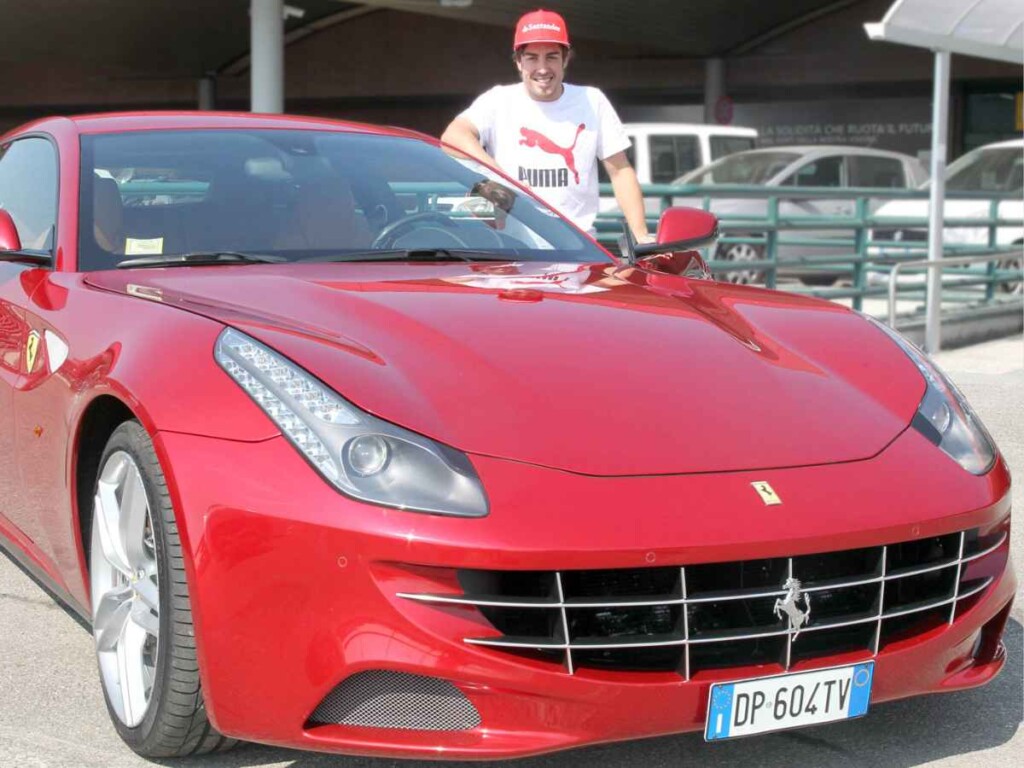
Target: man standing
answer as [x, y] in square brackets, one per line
[549, 134]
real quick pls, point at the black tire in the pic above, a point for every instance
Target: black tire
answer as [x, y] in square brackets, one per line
[823, 281]
[1015, 286]
[175, 723]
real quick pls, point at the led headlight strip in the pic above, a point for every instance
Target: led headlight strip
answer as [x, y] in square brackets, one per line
[362, 456]
[944, 416]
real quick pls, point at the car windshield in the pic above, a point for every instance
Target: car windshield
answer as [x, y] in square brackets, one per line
[303, 195]
[988, 170]
[742, 168]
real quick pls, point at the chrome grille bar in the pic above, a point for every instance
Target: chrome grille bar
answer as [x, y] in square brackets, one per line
[956, 582]
[989, 551]
[881, 604]
[686, 625]
[789, 622]
[565, 624]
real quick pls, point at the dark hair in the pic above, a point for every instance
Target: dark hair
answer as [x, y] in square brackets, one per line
[517, 54]
[502, 197]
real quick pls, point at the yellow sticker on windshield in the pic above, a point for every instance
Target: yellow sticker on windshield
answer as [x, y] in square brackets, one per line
[154, 246]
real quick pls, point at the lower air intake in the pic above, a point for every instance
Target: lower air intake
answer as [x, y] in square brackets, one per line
[386, 699]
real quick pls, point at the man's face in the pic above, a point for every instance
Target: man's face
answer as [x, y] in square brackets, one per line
[542, 66]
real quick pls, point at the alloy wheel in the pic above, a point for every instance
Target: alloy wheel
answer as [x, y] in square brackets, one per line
[125, 588]
[741, 253]
[1014, 286]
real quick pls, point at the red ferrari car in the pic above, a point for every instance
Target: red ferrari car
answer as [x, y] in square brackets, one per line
[342, 441]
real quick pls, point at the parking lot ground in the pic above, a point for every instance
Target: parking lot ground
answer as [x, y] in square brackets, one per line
[52, 713]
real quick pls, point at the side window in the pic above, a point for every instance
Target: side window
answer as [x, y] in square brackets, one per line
[672, 156]
[824, 172]
[727, 145]
[602, 174]
[28, 190]
[868, 171]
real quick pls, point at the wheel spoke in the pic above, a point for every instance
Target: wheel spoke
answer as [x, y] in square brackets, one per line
[111, 615]
[130, 671]
[107, 514]
[146, 619]
[134, 512]
[149, 593]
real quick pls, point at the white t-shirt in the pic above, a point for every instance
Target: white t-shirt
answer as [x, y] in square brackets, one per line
[551, 146]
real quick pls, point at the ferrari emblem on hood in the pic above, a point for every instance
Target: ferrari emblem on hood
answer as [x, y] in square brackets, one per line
[767, 493]
[31, 350]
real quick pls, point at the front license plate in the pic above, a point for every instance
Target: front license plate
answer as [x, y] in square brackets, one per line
[788, 701]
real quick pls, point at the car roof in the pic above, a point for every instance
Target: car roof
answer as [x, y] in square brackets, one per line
[691, 129]
[1004, 144]
[826, 149]
[117, 122]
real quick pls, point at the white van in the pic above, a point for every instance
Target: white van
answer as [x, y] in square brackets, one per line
[662, 152]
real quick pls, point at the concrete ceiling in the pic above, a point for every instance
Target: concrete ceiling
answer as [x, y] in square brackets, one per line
[185, 38]
[694, 28]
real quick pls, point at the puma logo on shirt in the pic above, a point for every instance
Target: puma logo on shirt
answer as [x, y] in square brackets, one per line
[549, 177]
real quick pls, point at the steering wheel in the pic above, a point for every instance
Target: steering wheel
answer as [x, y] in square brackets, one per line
[395, 229]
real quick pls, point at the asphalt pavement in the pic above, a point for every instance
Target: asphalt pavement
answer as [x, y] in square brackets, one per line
[52, 713]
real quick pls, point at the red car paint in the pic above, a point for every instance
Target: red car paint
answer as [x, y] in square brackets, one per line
[618, 428]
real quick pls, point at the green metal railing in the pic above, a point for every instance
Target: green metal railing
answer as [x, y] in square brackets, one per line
[786, 236]
[819, 247]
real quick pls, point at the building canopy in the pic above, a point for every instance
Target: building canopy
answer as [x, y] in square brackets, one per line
[990, 29]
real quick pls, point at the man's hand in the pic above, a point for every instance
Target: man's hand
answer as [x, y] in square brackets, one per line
[628, 195]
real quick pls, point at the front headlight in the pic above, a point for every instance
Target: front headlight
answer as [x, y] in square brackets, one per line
[944, 415]
[362, 456]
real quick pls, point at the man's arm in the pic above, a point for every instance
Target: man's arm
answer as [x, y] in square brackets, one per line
[628, 195]
[462, 134]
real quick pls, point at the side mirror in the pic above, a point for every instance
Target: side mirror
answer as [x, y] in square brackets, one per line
[686, 228]
[9, 240]
[680, 229]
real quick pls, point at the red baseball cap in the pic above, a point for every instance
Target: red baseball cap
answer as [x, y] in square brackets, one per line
[541, 27]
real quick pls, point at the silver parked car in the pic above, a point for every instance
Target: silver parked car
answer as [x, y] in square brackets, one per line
[826, 166]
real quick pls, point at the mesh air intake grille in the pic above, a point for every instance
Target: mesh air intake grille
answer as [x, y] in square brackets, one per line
[386, 699]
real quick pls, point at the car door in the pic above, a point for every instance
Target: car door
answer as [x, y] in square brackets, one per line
[31, 453]
[13, 337]
[823, 172]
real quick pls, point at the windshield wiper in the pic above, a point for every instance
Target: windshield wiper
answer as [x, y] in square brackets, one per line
[415, 254]
[201, 258]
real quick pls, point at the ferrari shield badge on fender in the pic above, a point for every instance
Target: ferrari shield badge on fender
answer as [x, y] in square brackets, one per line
[767, 493]
[31, 350]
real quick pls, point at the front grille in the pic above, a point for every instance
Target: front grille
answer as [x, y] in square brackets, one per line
[383, 698]
[714, 616]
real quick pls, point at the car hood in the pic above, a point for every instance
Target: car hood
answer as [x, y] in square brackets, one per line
[594, 369]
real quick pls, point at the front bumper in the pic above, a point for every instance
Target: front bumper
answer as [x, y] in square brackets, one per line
[295, 588]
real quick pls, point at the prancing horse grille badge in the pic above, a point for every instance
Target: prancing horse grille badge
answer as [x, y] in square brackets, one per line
[767, 493]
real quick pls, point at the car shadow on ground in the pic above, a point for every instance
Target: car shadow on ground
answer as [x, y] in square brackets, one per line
[896, 734]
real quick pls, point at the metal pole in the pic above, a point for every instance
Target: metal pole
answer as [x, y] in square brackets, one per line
[267, 46]
[714, 87]
[937, 201]
[208, 92]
